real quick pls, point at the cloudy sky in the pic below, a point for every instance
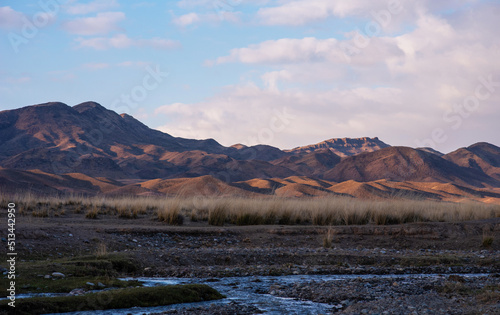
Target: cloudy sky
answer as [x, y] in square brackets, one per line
[280, 72]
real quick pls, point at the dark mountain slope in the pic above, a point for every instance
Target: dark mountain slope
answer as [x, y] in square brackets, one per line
[313, 164]
[90, 139]
[481, 156]
[406, 164]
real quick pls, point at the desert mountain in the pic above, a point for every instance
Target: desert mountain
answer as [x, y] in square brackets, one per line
[344, 146]
[54, 148]
[90, 139]
[431, 150]
[199, 186]
[313, 164]
[482, 157]
[407, 164]
[39, 182]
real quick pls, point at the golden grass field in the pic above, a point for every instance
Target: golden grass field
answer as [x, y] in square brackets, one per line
[257, 211]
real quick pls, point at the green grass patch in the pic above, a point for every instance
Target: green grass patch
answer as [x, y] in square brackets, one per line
[115, 299]
[78, 271]
[41, 285]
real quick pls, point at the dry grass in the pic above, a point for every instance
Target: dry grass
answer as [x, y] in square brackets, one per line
[328, 239]
[246, 211]
[92, 213]
[487, 240]
[171, 213]
[101, 250]
[218, 215]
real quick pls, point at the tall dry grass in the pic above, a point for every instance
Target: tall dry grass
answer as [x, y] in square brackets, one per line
[171, 212]
[247, 211]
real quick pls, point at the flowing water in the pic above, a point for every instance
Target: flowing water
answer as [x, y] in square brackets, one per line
[254, 291]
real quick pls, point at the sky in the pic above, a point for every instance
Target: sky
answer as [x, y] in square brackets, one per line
[285, 73]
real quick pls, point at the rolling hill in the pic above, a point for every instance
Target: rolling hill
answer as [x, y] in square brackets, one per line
[482, 157]
[407, 164]
[53, 148]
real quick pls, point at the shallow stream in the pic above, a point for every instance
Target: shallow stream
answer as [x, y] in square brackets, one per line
[255, 290]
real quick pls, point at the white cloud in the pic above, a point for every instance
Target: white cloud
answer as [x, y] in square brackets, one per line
[96, 65]
[103, 23]
[285, 50]
[195, 18]
[133, 64]
[219, 4]
[104, 65]
[300, 12]
[246, 114]
[396, 87]
[186, 19]
[271, 79]
[121, 41]
[10, 19]
[176, 108]
[95, 6]
[17, 80]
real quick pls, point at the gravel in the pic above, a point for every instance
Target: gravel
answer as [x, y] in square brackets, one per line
[442, 295]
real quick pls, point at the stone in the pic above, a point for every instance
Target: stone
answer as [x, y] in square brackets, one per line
[58, 275]
[77, 291]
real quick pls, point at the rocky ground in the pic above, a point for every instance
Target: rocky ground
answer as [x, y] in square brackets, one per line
[226, 309]
[199, 250]
[447, 294]
[443, 295]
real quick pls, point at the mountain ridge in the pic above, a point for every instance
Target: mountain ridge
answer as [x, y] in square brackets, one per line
[344, 147]
[51, 140]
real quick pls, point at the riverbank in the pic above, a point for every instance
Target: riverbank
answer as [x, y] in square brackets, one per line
[198, 250]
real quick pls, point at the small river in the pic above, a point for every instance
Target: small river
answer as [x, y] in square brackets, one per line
[254, 291]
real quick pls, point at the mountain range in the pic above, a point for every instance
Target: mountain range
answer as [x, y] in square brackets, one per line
[55, 148]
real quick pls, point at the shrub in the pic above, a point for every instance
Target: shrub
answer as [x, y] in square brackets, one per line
[101, 250]
[92, 213]
[171, 216]
[487, 240]
[217, 216]
[249, 219]
[328, 239]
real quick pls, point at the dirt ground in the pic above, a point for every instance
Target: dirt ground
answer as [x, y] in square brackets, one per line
[196, 244]
[196, 249]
